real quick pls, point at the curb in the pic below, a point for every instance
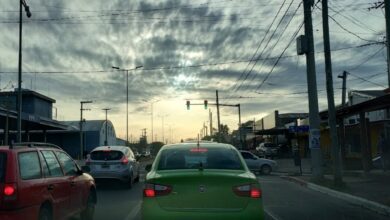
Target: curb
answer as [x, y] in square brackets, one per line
[355, 200]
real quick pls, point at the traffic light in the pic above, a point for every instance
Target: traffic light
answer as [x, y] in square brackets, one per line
[205, 104]
[188, 105]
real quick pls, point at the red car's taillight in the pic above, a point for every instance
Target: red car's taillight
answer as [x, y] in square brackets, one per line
[153, 190]
[249, 190]
[10, 191]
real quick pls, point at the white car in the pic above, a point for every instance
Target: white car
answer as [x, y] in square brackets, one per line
[114, 162]
[256, 164]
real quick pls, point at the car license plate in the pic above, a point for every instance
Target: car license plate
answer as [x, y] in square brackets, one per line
[105, 166]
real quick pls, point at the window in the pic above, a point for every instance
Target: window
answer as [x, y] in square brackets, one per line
[67, 163]
[3, 160]
[52, 164]
[247, 155]
[106, 155]
[208, 158]
[29, 165]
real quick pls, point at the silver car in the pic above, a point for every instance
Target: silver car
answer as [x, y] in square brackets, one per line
[114, 162]
[256, 164]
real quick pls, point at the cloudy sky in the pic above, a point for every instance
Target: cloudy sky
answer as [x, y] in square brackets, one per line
[188, 50]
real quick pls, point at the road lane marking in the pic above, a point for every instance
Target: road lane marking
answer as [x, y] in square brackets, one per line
[134, 212]
[272, 215]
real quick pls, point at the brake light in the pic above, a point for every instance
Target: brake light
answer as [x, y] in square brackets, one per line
[249, 190]
[124, 160]
[153, 190]
[198, 150]
[9, 190]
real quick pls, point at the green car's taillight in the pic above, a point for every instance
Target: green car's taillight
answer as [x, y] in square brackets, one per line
[248, 190]
[153, 190]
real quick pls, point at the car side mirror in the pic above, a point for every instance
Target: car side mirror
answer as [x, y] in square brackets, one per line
[85, 169]
[148, 167]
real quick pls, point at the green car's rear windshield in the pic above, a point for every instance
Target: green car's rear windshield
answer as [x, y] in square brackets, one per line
[199, 158]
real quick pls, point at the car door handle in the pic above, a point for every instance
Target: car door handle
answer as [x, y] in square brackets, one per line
[50, 187]
[72, 183]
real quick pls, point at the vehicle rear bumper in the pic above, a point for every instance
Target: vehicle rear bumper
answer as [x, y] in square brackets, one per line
[151, 210]
[122, 175]
[30, 213]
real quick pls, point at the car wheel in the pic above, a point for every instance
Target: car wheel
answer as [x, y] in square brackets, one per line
[266, 169]
[88, 212]
[136, 180]
[129, 183]
[45, 213]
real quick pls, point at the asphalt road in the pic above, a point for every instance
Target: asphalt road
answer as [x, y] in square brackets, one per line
[283, 200]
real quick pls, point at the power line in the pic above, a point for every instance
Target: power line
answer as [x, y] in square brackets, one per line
[234, 88]
[348, 31]
[281, 55]
[366, 80]
[194, 66]
[280, 37]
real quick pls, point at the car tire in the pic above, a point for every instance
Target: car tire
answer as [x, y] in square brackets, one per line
[130, 182]
[89, 211]
[136, 180]
[266, 169]
[45, 213]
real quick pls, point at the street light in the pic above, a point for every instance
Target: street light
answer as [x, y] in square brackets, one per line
[82, 109]
[127, 97]
[151, 103]
[106, 110]
[28, 13]
[162, 125]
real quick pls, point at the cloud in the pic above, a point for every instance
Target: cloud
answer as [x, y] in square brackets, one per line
[182, 41]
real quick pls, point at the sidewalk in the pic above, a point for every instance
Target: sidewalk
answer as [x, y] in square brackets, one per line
[371, 192]
[286, 166]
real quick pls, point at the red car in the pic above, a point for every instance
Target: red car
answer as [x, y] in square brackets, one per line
[41, 181]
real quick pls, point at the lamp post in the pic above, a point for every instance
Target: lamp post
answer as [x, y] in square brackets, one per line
[82, 109]
[162, 125]
[127, 98]
[151, 104]
[19, 99]
[105, 141]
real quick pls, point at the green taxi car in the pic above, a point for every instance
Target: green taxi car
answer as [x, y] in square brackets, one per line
[201, 181]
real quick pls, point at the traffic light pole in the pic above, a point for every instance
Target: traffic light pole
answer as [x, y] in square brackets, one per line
[218, 116]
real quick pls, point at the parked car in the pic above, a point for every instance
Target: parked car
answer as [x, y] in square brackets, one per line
[256, 164]
[268, 149]
[205, 181]
[40, 181]
[114, 163]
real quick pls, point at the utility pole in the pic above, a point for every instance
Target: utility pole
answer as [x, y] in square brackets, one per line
[106, 110]
[387, 15]
[330, 93]
[239, 124]
[219, 119]
[211, 122]
[81, 126]
[314, 120]
[342, 123]
[344, 89]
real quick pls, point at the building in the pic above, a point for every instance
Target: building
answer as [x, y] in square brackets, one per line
[39, 125]
[37, 115]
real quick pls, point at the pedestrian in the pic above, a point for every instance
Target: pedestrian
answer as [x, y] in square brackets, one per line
[383, 150]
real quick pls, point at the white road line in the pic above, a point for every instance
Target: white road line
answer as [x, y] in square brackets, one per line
[272, 215]
[134, 212]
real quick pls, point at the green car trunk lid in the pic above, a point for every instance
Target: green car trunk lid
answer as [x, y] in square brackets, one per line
[207, 190]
